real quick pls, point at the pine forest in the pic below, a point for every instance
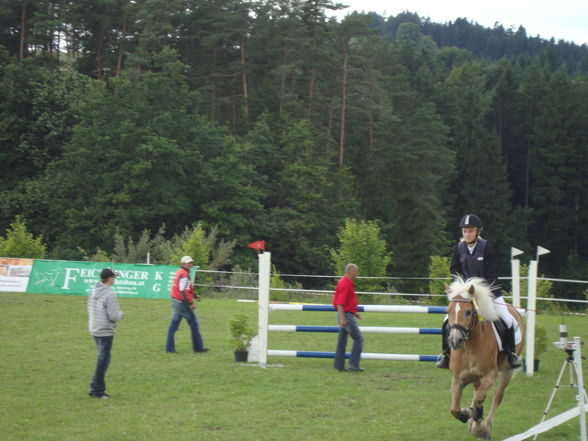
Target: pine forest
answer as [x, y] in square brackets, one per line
[272, 120]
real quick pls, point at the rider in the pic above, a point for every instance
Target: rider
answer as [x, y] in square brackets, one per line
[475, 257]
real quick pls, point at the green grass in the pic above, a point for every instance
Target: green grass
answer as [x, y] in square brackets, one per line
[47, 359]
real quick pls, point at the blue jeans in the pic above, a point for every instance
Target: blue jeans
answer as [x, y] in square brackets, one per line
[182, 310]
[353, 330]
[103, 346]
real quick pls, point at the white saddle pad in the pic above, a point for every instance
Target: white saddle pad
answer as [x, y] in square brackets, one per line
[518, 335]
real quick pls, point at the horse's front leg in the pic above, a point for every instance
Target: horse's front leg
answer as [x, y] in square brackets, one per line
[477, 427]
[456, 390]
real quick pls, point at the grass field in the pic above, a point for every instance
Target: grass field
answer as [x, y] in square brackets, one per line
[47, 359]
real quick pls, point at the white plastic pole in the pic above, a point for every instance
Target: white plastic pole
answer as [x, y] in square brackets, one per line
[515, 265]
[263, 305]
[531, 306]
[581, 392]
[148, 258]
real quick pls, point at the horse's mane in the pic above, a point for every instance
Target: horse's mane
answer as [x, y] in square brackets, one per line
[482, 294]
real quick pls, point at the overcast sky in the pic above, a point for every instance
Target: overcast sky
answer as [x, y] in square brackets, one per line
[563, 19]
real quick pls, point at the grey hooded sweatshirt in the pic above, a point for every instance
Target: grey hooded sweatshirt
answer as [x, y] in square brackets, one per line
[103, 311]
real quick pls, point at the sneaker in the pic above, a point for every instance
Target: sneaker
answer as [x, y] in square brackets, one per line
[442, 361]
[341, 369]
[356, 369]
[203, 350]
[104, 396]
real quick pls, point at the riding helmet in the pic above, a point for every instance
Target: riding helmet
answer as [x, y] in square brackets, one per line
[470, 220]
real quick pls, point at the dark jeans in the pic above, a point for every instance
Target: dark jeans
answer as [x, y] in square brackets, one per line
[353, 330]
[103, 346]
[182, 310]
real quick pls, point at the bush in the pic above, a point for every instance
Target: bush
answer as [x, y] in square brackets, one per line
[360, 243]
[99, 256]
[20, 243]
[439, 267]
[277, 282]
[241, 333]
[543, 290]
[541, 340]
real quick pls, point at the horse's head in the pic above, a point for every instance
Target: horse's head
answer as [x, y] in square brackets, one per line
[469, 302]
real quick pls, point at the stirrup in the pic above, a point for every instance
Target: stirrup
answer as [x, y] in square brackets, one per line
[442, 361]
[514, 360]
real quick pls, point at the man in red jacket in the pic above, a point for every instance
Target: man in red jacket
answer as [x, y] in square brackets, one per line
[182, 293]
[345, 302]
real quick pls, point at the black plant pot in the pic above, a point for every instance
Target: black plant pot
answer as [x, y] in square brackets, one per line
[241, 356]
[535, 365]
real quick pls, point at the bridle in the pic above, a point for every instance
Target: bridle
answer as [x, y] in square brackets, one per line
[466, 332]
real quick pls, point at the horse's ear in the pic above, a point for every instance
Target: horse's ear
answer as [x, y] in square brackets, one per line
[472, 290]
[446, 287]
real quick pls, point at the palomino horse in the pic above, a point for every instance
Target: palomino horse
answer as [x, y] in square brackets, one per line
[474, 352]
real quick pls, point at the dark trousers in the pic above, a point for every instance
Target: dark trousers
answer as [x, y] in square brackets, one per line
[103, 347]
[182, 310]
[351, 329]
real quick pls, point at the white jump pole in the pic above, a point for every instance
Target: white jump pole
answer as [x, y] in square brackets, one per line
[515, 265]
[263, 305]
[531, 310]
[531, 306]
[581, 392]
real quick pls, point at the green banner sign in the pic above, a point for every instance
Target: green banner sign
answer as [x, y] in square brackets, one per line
[135, 280]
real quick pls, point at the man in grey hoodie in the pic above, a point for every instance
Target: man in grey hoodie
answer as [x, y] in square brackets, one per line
[103, 313]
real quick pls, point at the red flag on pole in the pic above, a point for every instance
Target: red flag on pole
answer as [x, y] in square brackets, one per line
[258, 245]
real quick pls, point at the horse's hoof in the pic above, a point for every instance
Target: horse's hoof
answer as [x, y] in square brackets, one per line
[479, 430]
[463, 416]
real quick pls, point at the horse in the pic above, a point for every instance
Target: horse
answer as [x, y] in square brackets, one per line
[475, 357]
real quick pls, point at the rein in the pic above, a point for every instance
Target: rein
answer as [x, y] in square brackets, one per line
[466, 332]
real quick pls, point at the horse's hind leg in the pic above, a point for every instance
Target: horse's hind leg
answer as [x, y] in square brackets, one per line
[504, 378]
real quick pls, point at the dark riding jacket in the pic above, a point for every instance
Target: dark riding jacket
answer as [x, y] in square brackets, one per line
[481, 263]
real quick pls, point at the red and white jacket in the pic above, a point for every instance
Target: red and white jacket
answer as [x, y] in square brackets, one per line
[181, 283]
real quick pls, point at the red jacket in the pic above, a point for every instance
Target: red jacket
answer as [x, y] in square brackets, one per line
[345, 295]
[175, 290]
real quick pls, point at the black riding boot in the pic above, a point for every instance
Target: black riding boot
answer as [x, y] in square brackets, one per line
[513, 358]
[443, 359]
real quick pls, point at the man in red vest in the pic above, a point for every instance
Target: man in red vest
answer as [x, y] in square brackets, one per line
[182, 294]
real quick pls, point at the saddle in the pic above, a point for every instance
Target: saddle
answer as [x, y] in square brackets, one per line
[499, 327]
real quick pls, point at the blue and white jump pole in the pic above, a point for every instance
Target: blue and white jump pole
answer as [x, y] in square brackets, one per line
[364, 355]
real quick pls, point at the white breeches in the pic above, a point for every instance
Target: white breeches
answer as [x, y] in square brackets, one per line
[502, 309]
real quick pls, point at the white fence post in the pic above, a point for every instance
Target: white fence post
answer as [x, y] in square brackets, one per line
[515, 265]
[516, 282]
[531, 307]
[263, 305]
[581, 392]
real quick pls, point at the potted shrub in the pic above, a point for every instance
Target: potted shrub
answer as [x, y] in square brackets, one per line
[541, 343]
[241, 336]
